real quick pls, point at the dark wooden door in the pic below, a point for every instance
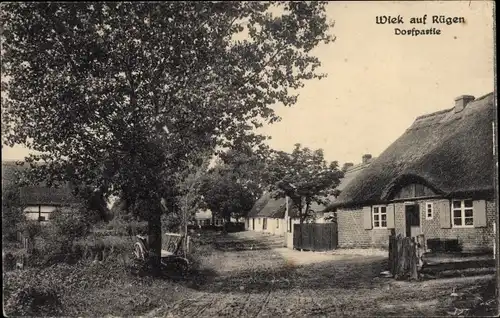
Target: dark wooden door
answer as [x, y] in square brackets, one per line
[412, 220]
[253, 224]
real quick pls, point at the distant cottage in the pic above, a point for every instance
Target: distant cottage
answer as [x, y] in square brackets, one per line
[436, 179]
[270, 215]
[37, 202]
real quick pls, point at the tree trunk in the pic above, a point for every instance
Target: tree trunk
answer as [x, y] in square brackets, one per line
[304, 216]
[301, 221]
[154, 238]
[301, 214]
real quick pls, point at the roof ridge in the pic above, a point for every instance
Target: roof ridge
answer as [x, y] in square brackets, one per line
[439, 112]
[484, 96]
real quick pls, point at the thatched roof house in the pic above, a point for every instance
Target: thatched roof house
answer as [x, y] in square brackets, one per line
[268, 213]
[449, 151]
[38, 200]
[269, 207]
[35, 195]
[437, 179]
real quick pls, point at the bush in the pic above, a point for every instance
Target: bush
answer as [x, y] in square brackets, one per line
[70, 223]
[121, 226]
[235, 227]
[12, 213]
[31, 296]
[170, 222]
[30, 228]
[104, 247]
[65, 227]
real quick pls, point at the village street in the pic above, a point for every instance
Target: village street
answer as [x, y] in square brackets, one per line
[283, 282]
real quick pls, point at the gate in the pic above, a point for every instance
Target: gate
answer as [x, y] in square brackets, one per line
[315, 236]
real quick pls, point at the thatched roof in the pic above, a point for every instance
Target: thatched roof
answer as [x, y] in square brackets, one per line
[448, 151]
[35, 195]
[269, 207]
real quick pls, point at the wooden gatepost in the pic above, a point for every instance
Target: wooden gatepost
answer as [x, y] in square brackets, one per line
[405, 256]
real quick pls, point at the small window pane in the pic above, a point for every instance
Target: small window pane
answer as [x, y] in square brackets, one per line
[457, 213]
[468, 213]
[376, 224]
[456, 204]
[384, 217]
[375, 210]
[457, 221]
[384, 223]
[468, 203]
[382, 209]
[376, 217]
[429, 214]
[469, 221]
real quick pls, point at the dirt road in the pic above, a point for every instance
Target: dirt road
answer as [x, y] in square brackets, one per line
[282, 282]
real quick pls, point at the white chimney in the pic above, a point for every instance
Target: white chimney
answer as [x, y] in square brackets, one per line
[462, 101]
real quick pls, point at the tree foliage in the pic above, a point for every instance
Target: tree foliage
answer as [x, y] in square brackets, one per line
[304, 176]
[232, 186]
[121, 96]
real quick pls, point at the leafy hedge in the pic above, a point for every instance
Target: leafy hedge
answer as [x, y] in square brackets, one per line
[119, 226]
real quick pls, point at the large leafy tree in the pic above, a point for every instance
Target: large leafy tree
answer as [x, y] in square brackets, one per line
[123, 96]
[305, 177]
[232, 186]
[226, 197]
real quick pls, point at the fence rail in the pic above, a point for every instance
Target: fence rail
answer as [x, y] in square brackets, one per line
[315, 236]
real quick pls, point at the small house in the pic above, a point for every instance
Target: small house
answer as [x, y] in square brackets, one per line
[275, 216]
[37, 202]
[437, 179]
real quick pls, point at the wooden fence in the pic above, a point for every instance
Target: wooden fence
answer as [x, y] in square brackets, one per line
[315, 236]
[405, 256]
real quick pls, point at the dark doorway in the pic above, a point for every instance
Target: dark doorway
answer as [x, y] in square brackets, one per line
[253, 224]
[412, 220]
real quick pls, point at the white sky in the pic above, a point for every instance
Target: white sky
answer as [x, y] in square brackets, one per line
[378, 83]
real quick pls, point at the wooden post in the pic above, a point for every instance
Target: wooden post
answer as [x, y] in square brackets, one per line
[391, 269]
[399, 257]
[421, 249]
[414, 259]
[392, 242]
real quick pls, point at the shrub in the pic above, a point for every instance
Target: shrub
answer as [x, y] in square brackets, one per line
[30, 228]
[12, 213]
[59, 235]
[104, 247]
[70, 223]
[121, 226]
[31, 296]
[170, 222]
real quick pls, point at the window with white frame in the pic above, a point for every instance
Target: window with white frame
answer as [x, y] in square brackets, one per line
[379, 215]
[463, 213]
[429, 211]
